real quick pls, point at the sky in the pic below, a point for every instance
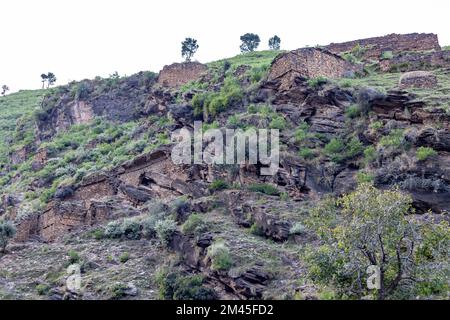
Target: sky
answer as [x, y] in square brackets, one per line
[80, 39]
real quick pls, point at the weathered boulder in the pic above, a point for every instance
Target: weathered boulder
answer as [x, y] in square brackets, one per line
[418, 79]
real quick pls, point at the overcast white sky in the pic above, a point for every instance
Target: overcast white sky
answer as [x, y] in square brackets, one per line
[78, 39]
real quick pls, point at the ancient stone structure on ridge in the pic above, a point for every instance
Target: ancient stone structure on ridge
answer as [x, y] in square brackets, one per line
[418, 79]
[309, 63]
[410, 61]
[374, 47]
[177, 74]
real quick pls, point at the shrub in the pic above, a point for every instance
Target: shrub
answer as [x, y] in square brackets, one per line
[264, 188]
[124, 257]
[377, 125]
[175, 286]
[42, 289]
[387, 55]
[165, 230]
[371, 227]
[334, 148]
[218, 185]
[131, 228]
[306, 153]
[393, 139]
[113, 230]
[278, 123]
[317, 82]
[364, 177]
[353, 111]
[7, 232]
[353, 148]
[257, 230]
[423, 153]
[74, 257]
[194, 225]
[297, 229]
[370, 154]
[220, 257]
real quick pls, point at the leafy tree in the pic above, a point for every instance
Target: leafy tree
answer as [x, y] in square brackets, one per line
[274, 43]
[51, 79]
[250, 42]
[43, 80]
[7, 231]
[371, 227]
[188, 48]
[48, 78]
[5, 88]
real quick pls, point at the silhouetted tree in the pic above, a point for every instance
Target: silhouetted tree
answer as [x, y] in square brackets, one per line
[188, 48]
[250, 42]
[274, 43]
[5, 88]
[43, 80]
[50, 78]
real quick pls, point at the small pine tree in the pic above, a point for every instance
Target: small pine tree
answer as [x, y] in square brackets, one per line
[188, 48]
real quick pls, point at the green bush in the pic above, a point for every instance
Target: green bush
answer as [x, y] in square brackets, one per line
[370, 154]
[339, 151]
[264, 188]
[165, 230]
[278, 123]
[176, 286]
[194, 225]
[297, 229]
[334, 146]
[423, 153]
[218, 185]
[353, 111]
[393, 139]
[387, 55]
[42, 289]
[124, 257]
[364, 177]
[7, 232]
[131, 228]
[306, 153]
[114, 230]
[317, 82]
[74, 257]
[256, 230]
[220, 257]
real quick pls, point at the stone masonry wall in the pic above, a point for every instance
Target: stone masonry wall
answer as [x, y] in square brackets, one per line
[309, 63]
[177, 74]
[393, 42]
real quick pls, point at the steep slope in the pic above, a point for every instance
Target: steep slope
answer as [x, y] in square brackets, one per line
[89, 179]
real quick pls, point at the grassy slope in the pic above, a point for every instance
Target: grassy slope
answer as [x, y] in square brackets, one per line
[13, 107]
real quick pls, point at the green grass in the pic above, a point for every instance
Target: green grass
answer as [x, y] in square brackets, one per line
[13, 107]
[252, 59]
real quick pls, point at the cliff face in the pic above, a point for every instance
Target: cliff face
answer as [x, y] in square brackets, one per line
[95, 166]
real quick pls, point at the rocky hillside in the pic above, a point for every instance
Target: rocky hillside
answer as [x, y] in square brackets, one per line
[87, 179]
